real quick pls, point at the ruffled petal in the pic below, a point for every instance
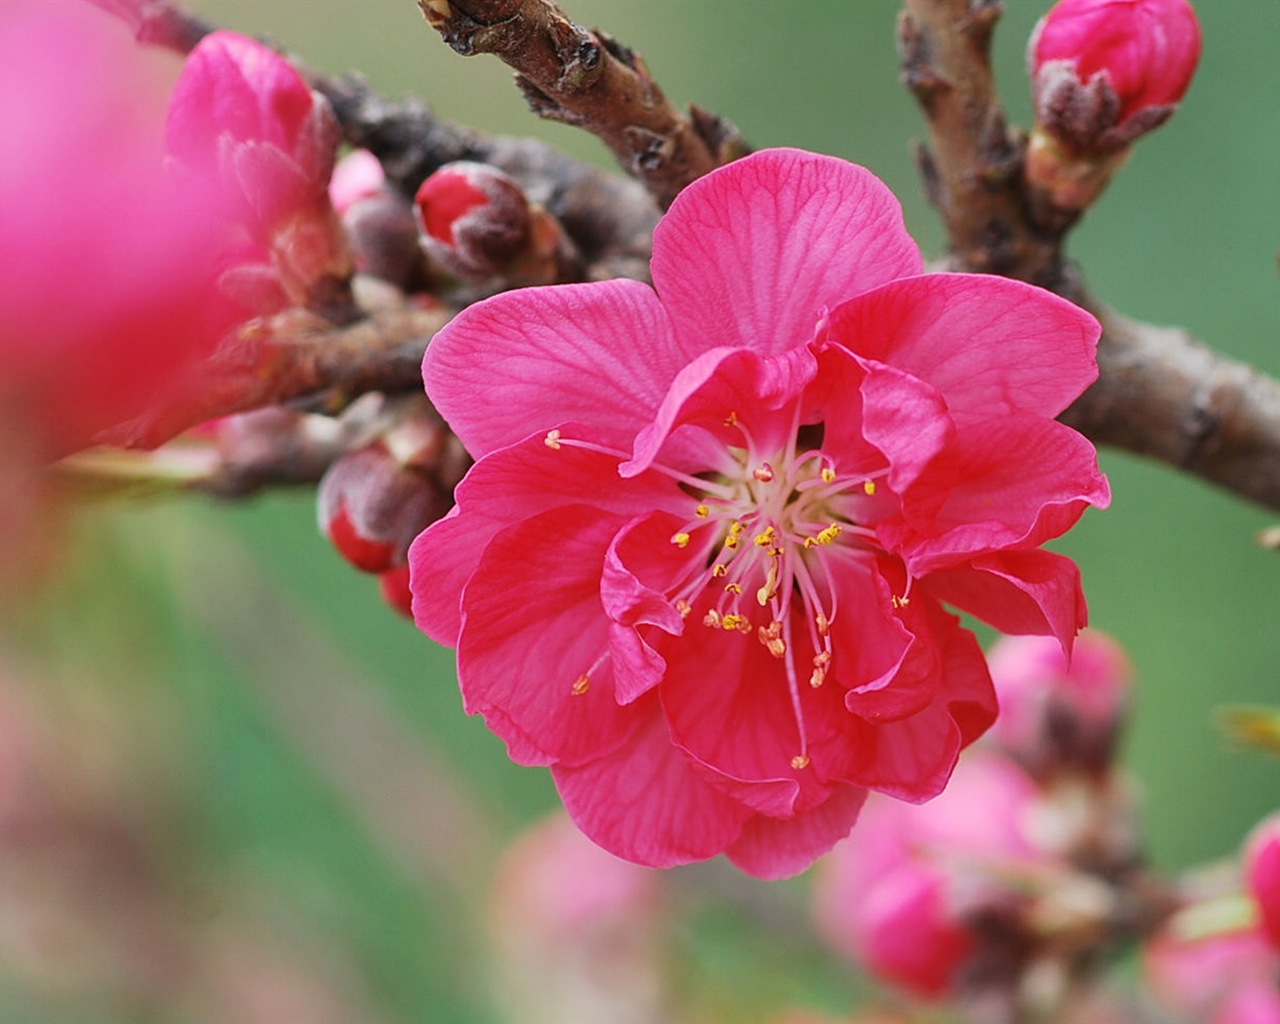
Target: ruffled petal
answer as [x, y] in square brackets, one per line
[1018, 592]
[524, 361]
[640, 567]
[907, 420]
[1014, 482]
[720, 387]
[646, 803]
[991, 345]
[912, 758]
[751, 255]
[533, 629]
[502, 489]
[781, 847]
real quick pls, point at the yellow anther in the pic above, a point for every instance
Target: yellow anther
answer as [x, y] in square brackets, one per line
[764, 473]
[733, 588]
[736, 528]
[734, 621]
[731, 420]
[828, 535]
[869, 487]
[684, 608]
[581, 685]
[552, 440]
[731, 541]
[770, 582]
[901, 602]
[766, 538]
[823, 624]
[719, 570]
[702, 511]
[818, 678]
[828, 475]
[809, 542]
[800, 761]
[712, 618]
[680, 540]
[822, 659]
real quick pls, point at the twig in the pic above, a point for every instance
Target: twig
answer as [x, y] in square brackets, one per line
[1165, 395]
[290, 359]
[585, 78]
[973, 169]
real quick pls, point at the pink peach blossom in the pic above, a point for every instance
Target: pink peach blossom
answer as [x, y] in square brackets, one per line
[106, 293]
[704, 553]
[1262, 874]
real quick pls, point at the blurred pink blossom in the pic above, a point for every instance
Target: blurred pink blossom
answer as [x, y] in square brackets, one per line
[704, 553]
[1262, 874]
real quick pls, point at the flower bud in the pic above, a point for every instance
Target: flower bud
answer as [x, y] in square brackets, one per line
[1104, 73]
[380, 222]
[242, 117]
[1262, 874]
[394, 586]
[1057, 718]
[475, 220]
[371, 506]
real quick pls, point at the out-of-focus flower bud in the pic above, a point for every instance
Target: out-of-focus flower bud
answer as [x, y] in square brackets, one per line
[576, 930]
[1196, 972]
[479, 226]
[915, 895]
[1057, 718]
[394, 585]
[371, 506]
[475, 220]
[243, 116]
[382, 227]
[1262, 874]
[1104, 73]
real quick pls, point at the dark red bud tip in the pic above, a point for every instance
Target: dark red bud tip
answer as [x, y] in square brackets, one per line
[445, 197]
[365, 554]
[394, 584]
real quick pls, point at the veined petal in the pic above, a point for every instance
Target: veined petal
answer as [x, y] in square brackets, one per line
[751, 255]
[991, 345]
[524, 361]
[906, 419]
[645, 802]
[781, 847]
[1018, 592]
[1014, 482]
[533, 655]
[502, 489]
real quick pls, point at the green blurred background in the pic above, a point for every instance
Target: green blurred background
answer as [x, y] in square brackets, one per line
[297, 756]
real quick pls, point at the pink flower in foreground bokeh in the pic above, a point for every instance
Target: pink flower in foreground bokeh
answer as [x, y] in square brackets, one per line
[1262, 874]
[105, 293]
[242, 115]
[703, 555]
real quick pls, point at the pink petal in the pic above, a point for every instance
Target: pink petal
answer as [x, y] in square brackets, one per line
[728, 706]
[640, 567]
[645, 802]
[724, 384]
[1019, 592]
[869, 639]
[906, 419]
[991, 345]
[528, 360]
[1017, 481]
[532, 628]
[781, 847]
[912, 758]
[751, 255]
[506, 487]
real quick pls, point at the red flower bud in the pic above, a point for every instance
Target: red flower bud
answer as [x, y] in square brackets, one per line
[475, 220]
[1262, 874]
[371, 507]
[1107, 71]
[394, 584]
